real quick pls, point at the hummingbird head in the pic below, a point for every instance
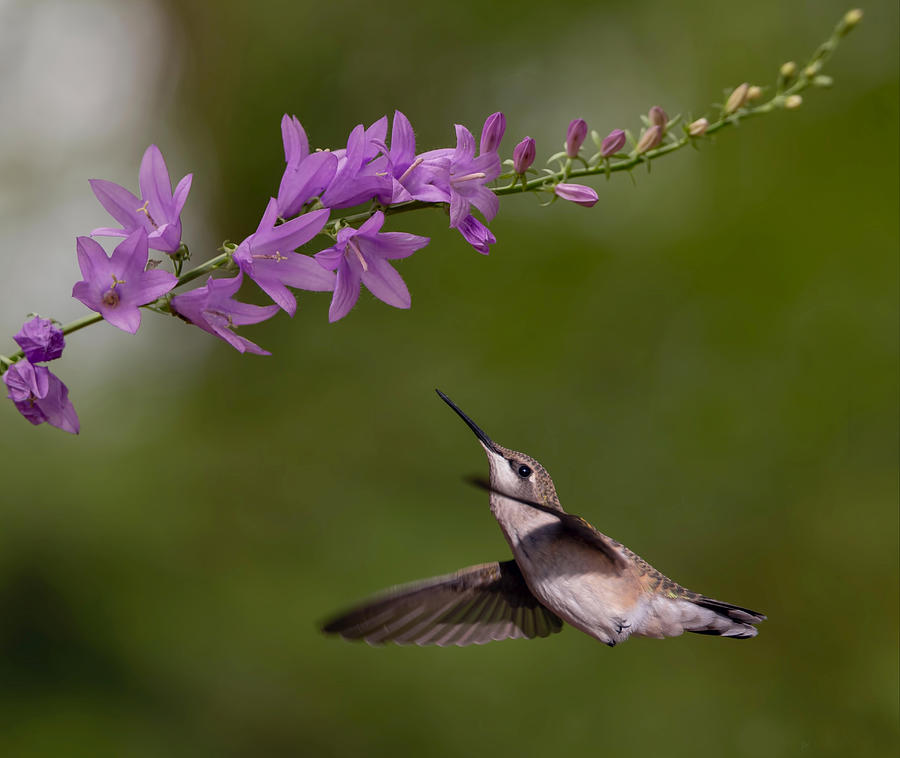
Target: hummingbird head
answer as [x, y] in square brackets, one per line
[512, 472]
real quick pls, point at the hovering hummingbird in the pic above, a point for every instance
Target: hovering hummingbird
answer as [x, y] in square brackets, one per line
[563, 570]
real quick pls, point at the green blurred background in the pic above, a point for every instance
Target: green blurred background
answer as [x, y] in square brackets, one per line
[706, 362]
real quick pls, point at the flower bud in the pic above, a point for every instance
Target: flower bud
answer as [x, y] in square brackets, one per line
[575, 135]
[822, 81]
[737, 98]
[851, 19]
[788, 70]
[577, 193]
[658, 117]
[40, 340]
[792, 102]
[612, 143]
[649, 139]
[523, 155]
[698, 128]
[754, 93]
[492, 133]
[812, 69]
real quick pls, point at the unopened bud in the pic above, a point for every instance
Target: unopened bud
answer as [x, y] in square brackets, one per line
[698, 127]
[812, 69]
[851, 19]
[737, 98]
[492, 133]
[793, 101]
[788, 70]
[754, 93]
[613, 142]
[822, 81]
[523, 155]
[658, 117]
[649, 139]
[575, 135]
[577, 193]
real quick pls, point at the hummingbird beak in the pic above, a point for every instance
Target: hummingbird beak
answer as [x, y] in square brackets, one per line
[483, 438]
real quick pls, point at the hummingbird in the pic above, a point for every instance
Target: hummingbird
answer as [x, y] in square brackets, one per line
[563, 571]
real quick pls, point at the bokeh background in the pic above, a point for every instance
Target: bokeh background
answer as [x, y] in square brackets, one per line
[706, 362]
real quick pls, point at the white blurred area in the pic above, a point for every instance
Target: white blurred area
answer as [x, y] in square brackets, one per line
[84, 87]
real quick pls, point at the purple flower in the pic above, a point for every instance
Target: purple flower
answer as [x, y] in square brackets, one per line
[40, 340]
[477, 234]
[267, 258]
[362, 255]
[212, 308]
[363, 169]
[523, 155]
[416, 177]
[577, 193]
[575, 135]
[158, 212]
[492, 133]
[467, 177]
[116, 286]
[612, 143]
[307, 174]
[40, 396]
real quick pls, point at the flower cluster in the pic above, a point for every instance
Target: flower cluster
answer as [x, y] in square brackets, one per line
[344, 196]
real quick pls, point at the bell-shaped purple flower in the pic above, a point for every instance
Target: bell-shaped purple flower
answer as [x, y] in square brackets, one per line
[361, 256]
[577, 193]
[612, 143]
[307, 174]
[212, 308]
[267, 256]
[40, 396]
[523, 155]
[157, 212]
[363, 169]
[467, 178]
[575, 135]
[421, 177]
[492, 133]
[40, 340]
[117, 286]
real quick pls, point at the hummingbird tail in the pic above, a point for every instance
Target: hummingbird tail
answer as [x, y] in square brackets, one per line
[723, 619]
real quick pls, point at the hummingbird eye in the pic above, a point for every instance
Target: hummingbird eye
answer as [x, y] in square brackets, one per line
[523, 471]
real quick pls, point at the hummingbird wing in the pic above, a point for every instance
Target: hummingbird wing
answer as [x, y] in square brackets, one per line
[574, 525]
[475, 605]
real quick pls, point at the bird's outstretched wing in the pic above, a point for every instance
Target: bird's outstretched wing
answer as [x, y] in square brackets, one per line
[475, 605]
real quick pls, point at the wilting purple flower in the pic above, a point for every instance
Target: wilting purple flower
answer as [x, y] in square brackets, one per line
[362, 255]
[649, 139]
[477, 234]
[523, 155]
[307, 174]
[575, 135]
[158, 212]
[492, 133]
[612, 143]
[115, 286]
[658, 117]
[267, 256]
[363, 169]
[40, 340]
[40, 396]
[577, 193]
[212, 308]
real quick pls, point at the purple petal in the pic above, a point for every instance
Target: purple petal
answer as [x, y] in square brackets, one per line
[346, 293]
[477, 234]
[403, 143]
[330, 258]
[391, 245]
[118, 202]
[305, 273]
[280, 294]
[130, 256]
[486, 201]
[577, 193]
[459, 209]
[372, 224]
[106, 231]
[465, 145]
[57, 408]
[92, 258]
[296, 145]
[155, 184]
[154, 284]
[385, 283]
[181, 193]
[290, 235]
[124, 316]
[306, 180]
